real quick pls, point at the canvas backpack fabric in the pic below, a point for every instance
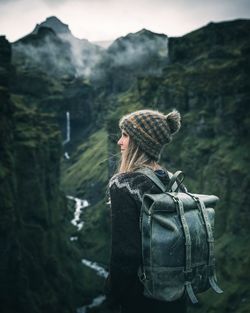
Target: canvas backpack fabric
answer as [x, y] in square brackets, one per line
[177, 241]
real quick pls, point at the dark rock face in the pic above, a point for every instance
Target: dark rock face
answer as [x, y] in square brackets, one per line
[213, 41]
[9, 254]
[4, 61]
[7, 177]
[33, 210]
[54, 23]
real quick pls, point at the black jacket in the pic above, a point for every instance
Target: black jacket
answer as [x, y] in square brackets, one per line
[123, 285]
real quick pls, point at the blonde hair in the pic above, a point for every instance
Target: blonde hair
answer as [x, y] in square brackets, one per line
[134, 158]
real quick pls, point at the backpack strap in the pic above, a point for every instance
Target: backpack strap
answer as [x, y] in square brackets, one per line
[150, 174]
[210, 239]
[176, 180]
[188, 264]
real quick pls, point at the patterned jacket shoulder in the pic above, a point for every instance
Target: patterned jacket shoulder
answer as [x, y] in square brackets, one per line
[134, 182]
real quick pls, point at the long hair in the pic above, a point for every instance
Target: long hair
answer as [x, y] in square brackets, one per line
[134, 158]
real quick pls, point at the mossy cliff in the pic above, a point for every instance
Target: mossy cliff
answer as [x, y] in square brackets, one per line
[40, 271]
[7, 179]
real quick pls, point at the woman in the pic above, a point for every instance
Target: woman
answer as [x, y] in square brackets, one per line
[144, 133]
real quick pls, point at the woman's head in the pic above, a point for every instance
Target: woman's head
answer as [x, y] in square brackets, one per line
[145, 132]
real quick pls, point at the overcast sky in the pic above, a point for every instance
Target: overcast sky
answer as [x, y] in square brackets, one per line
[98, 20]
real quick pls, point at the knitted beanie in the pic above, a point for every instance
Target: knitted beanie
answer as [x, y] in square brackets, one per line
[151, 130]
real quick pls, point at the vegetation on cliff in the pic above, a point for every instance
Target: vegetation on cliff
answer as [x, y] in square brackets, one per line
[40, 270]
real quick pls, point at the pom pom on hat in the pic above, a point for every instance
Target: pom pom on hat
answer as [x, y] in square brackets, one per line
[174, 121]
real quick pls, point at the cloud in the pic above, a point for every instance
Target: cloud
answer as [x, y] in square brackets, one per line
[8, 1]
[110, 19]
[54, 3]
[84, 56]
[145, 48]
[79, 57]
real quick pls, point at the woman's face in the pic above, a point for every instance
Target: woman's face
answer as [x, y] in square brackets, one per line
[123, 141]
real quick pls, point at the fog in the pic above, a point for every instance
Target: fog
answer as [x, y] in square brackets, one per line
[98, 20]
[60, 54]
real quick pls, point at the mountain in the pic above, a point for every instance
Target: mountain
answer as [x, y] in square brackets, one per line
[204, 75]
[53, 49]
[55, 24]
[217, 38]
[42, 51]
[145, 51]
[57, 66]
[135, 40]
[136, 54]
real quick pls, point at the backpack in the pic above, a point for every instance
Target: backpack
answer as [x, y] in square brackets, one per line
[177, 241]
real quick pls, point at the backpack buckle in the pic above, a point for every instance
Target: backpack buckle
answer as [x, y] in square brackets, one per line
[211, 269]
[188, 275]
[143, 277]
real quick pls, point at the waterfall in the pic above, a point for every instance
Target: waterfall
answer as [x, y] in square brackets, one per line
[66, 155]
[99, 270]
[95, 303]
[80, 204]
[68, 129]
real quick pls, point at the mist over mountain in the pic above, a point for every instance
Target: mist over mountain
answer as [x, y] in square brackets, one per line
[52, 42]
[49, 76]
[104, 43]
[140, 47]
[136, 54]
[143, 52]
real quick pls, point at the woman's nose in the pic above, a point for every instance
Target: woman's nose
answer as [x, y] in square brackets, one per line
[119, 142]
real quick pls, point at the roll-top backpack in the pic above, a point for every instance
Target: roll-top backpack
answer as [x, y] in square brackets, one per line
[177, 241]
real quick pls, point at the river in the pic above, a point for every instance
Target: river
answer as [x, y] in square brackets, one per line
[80, 204]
